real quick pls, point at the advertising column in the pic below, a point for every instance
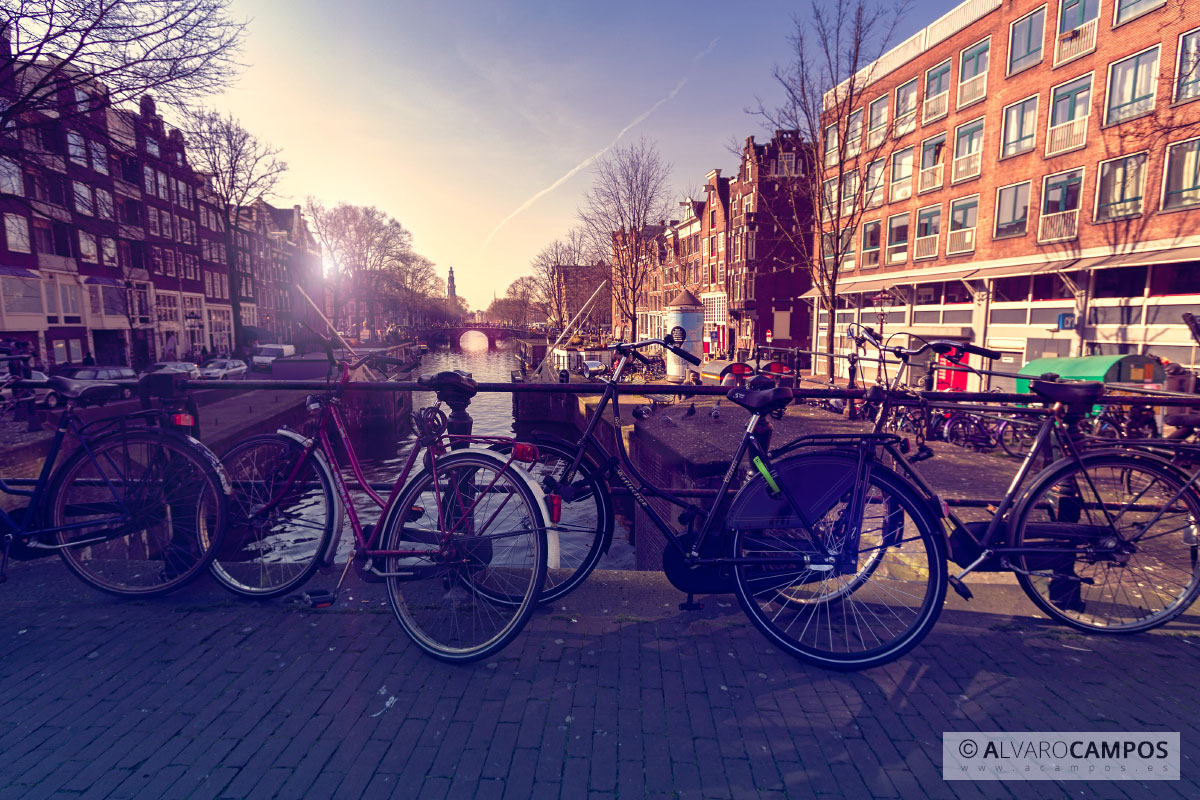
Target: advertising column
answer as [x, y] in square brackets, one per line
[688, 313]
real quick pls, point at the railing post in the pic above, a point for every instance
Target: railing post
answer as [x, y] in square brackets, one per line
[458, 422]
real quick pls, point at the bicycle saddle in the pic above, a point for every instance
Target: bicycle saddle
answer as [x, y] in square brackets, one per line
[453, 381]
[1069, 394]
[1184, 419]
[81, 390]
[761, 402]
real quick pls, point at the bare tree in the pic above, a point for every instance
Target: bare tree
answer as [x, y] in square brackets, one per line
[838, 173]
[240, 169]
[53, 50]
[622, 213]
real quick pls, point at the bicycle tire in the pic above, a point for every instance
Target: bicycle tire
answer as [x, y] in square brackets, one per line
[466, 596]
[912, 567]
[1135, 587]
[959, 429]
[585, 528]
[1016, 438]
[171, 499]
[273, 553]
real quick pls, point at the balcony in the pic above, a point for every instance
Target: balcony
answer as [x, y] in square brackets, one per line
[897, 253]
[1073, 44]
[936, 107]
[972, 89]
[967, 166]
[870, 258]
[906, 123]
[961, 241]
[925, 247]
[57, 263]
[876, 137]
[1067, 136]
[901, 189]
[1060, 226]
[930, 178]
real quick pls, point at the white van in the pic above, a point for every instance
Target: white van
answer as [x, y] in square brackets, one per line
[265, 354]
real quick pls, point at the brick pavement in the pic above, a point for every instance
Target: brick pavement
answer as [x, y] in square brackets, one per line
[613, 692]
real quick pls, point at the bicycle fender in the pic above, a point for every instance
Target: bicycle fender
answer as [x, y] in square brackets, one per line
[817, 481]
[339, 513]
[211, 457]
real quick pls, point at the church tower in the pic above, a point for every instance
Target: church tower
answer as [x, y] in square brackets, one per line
[450, 285]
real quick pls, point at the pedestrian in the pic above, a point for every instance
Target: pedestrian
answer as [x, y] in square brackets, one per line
[88, 361]
[204, 354]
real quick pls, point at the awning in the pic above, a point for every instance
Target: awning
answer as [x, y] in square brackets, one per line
[1010, 270]
[99, 280]
[1169, 256]
[912, 280]
[17, 272]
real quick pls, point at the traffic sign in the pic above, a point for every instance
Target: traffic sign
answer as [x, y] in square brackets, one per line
[768, 335]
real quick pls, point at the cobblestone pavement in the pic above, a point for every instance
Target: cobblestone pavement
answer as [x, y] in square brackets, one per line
[612, 692]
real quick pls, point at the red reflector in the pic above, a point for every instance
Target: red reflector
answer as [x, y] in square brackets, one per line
[525, 452]
[555, 503]
[183, 420]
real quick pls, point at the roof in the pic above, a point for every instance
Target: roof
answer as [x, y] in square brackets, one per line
[685, 298]
[1080, 367]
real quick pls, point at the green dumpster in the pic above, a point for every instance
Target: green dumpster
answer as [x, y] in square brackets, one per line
[1133, 369]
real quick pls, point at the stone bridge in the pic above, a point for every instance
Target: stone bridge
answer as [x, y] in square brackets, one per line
[451, 334]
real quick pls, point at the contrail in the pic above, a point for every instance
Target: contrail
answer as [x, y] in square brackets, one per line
[587, 161]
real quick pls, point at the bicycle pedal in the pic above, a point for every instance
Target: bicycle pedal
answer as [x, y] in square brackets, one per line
[318, 598]
[961, 588]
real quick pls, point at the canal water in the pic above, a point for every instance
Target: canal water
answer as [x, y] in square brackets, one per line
[492, 415]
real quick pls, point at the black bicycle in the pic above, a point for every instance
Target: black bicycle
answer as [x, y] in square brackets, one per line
[137, 507]
[841, 567]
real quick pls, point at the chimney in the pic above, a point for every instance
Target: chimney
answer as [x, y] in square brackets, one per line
[146, 106]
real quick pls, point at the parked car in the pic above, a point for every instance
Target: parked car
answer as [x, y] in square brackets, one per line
[124, 376]
[265, 354]
[39, 395]
[186, 367]
[223, 369]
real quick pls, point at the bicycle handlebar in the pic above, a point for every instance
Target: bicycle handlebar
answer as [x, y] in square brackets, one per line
[632, 349]
[951, 350]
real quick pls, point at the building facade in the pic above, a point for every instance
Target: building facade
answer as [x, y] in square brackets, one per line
[1031, 181]
[575, 284]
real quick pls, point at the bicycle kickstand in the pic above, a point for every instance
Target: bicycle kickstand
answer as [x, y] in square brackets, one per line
[690, 604]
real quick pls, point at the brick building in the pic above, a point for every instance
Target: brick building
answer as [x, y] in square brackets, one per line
[112, 245]
[575, 285]
[1031, 180]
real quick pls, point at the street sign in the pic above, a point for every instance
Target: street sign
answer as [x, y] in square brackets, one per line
[768, 335]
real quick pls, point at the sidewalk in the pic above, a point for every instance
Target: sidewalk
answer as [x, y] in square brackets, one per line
[612, 692]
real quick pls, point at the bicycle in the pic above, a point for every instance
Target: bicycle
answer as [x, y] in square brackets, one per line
[1104, 540]
[132, 511]
[840, 572]
[462, 544]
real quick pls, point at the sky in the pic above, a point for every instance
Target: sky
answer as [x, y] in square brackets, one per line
[472, 121]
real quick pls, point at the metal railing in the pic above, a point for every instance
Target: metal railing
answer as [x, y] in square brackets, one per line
[1068, 135]
[931, 178]
[936, 107]
[1074, 43]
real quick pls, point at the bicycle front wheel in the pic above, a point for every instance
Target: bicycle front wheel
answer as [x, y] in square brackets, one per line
[1016, 437]
[1119, 539]
[138, 513]
[881, 598]
[282, 514]
[465, 556]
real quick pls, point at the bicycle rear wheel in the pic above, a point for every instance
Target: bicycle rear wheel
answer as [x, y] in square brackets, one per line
[1016, 437]
[870, 608]
[1121, 540]
[474, 556]
[140, 512]
[283, 512]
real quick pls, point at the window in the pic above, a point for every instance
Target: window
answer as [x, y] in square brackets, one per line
[99, 157]
[1128, 9]
[897, 239]
[877, 120]
[849, 192]
[76, 148]
[162, 185]
[1062, 192]
[854, 134]
[83, 198]
[964, 218]
[11, 181]
[929, 225]
[1181, 186]
[906, 108]
[1132, 84]
[937, 80]
[152, 146]
[1187, 71]
[148, 174]
[1012, 210]
[81, 99]
[1074, 14]
[152, 220]
[933, 154]
[831, 146]
[902, 171]
[972, 73]
[829, 194]
[1122, 182]
[104, 204]
[873, 191]
[870, 243]
[789, 168]
[43, 236]
[16, 229]
[1070, 110]
[1025, 41]
[1020, 127]
[87, 247]
[108, 249]
[72, 302]
[968, 151]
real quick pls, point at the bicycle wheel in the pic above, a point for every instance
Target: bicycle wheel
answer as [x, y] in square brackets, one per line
[141, 512]
[866, 610]
[1124, 535]
[474, 556]
[960, 430]
[282, 515]
[1016, 437]
[585, 528]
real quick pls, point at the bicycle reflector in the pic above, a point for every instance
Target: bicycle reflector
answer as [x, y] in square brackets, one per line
[525, 452]
[555, 503]
[183, 420]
